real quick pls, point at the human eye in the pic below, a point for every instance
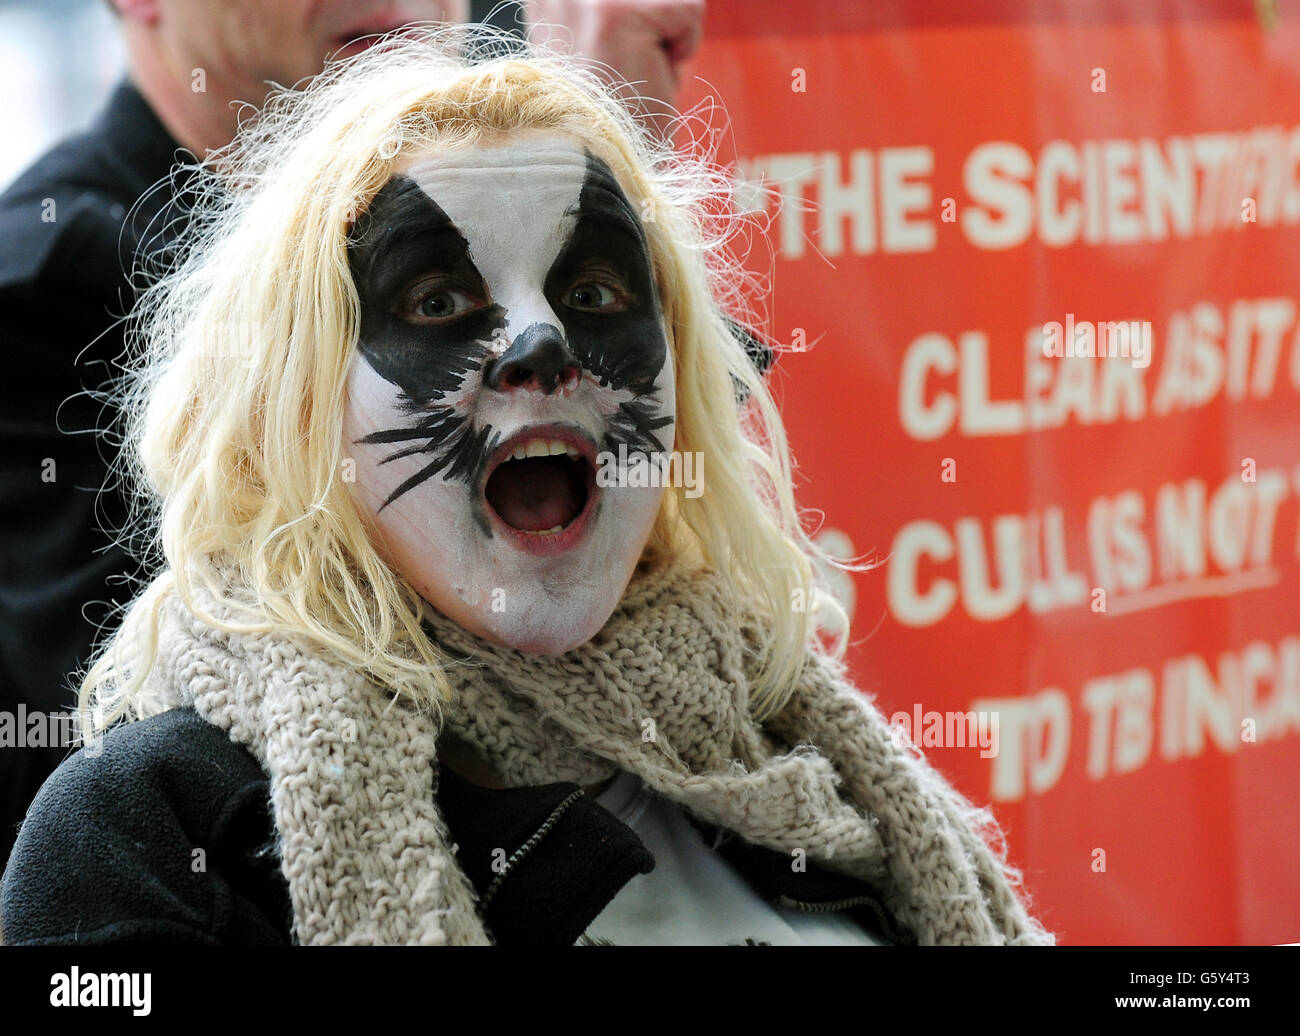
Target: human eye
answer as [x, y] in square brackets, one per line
[596, 293]
[438, 301]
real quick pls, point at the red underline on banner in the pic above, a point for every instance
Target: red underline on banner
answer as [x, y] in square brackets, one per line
[1191, 589]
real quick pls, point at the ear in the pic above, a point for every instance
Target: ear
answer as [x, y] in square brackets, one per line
[147, 11]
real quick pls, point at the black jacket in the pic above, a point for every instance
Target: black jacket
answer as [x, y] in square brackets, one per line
[69, 229]
[166, 836]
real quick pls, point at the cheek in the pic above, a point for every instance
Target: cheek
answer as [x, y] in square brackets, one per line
[428, 536]
[427, 540]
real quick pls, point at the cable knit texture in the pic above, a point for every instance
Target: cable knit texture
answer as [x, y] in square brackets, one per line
[661, 691]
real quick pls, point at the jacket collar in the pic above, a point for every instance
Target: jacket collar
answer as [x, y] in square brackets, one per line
[135, 139]
[132, 141]
[546, 860]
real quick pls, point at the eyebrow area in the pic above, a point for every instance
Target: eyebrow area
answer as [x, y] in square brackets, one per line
[402, 228]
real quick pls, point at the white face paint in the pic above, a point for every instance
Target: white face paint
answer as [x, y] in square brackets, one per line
[508, 307]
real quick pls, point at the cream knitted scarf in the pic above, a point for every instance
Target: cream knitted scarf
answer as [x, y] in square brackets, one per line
[662, 691]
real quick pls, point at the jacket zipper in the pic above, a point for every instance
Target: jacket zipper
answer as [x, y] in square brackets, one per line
[527, 847]
[888, 926]
[819, 908]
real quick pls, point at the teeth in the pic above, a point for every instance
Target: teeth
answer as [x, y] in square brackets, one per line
[542, 448]
[544, 532]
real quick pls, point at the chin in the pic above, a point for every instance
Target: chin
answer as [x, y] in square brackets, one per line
[550, 642]
[539, 605]
[549, 625]
[561, 599]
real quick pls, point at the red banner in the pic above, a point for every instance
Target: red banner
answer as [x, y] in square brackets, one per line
[1036, 271]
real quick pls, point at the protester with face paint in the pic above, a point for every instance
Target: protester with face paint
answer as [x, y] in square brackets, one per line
[84, 217]
[510, 332]
[413, 674]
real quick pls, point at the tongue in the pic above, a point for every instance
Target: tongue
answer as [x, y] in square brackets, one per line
[535, 494]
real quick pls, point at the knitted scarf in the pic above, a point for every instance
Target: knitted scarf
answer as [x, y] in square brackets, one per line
[661, 691]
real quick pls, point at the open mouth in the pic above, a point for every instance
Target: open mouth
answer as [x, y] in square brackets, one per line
[541, 485]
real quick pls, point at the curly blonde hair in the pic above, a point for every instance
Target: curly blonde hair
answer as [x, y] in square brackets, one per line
[235, 403]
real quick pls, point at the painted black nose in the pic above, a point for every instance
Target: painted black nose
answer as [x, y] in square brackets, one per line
[537, 358]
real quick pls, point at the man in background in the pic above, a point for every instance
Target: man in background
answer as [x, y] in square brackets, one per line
[96, 207]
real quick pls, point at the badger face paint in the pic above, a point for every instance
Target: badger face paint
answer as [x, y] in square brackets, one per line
[511, 334]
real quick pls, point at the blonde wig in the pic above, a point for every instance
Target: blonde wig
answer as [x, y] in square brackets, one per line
[237, 395]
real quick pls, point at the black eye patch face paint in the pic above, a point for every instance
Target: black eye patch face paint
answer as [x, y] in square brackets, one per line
[459, 271]
[402, 246]
[404, 236]
[626, 349]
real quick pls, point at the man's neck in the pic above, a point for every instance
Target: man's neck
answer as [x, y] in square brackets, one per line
[199, 113]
